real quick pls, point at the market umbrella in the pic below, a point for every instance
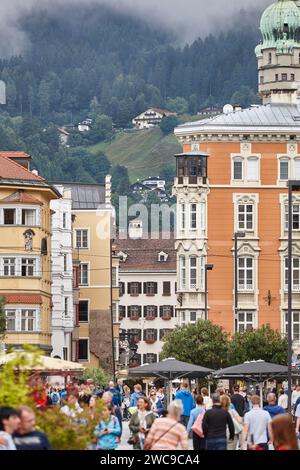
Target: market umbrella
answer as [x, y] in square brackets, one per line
[45, 364]
[170, 369]
[257, 371]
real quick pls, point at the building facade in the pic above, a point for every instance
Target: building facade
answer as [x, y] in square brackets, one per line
[62, 275]
[25, 252]
[232, 178]
[147, 275]
[151, 118]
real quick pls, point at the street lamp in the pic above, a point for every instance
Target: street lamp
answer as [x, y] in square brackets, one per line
[237, 235]
[208, 267]
[292, 186]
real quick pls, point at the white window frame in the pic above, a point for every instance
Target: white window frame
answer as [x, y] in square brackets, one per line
[18, 215]
[80, 275]
[196, 317]
[294, 213]
[295, 287]
[83, 229]
[193, 216]
[182, 216]
[88, 349]
[243, 227]
[285, 326]
[115, 276]
[245, 321]
[257, 160]
[10, 265]
[245, 269]
[7, 311]
[27, 263]
[64, 220]
[182, 272]
[19, 309]
[237, 159]
[29, 224]
[193, 272]
[282, 159]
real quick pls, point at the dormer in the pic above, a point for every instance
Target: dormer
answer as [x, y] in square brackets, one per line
[162, 257]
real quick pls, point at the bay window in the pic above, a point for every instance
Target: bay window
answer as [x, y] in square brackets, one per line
[182, 273]
[9, 266]
[193, 272]
[193, 216]
[28, 266]
[29, 217]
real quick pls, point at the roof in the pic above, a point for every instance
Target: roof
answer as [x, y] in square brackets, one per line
[171, 368]
[153, 178]
[22, 197]
[9, 169]
[29, 299]
[63, 131]
[14, 154]
[86, 196]
[143, 253]
[271, 117]
[163, 111]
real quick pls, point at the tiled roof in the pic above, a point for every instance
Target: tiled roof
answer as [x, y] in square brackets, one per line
[27, 299]
[9, 169]
[22, 197]
[142, 254]
[14, 154]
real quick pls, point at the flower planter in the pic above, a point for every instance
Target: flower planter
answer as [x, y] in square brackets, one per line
[134, 318]
[148, 317]
[150, 341]
[166, 317]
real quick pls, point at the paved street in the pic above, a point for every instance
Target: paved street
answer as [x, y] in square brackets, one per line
[125, 436]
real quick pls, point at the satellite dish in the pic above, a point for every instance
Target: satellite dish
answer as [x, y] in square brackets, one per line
[227, 109]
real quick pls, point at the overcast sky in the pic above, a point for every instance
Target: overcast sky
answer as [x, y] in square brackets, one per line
[189, 18]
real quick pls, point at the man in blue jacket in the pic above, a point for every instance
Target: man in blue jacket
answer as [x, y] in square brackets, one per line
[138, 393]
[272, 408]
[187, 402]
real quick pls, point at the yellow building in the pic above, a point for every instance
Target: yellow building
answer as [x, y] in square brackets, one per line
[25, 252]
[98, 272]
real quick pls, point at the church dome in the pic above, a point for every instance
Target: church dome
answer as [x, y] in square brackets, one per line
[280, 25]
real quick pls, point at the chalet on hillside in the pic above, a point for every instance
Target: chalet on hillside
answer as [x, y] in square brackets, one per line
[151, 118]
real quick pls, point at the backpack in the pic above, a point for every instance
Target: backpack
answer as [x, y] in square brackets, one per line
[55, 398]
[197, 426]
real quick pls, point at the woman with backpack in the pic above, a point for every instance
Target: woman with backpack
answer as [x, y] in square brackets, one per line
[108, 430]
[140, 423]
[198, 436]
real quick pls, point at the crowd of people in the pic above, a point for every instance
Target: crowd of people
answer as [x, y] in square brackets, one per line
[220, 421]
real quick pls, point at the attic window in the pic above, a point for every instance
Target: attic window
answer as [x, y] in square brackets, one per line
[162, 257]
[285, 28]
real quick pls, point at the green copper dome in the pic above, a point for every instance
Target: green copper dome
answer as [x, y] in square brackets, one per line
[280, 26]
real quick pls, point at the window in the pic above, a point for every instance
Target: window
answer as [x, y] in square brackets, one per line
[83, 276]
[276, 77]
[284, 170]
[81, 238]
[122, 312]
[245, 273]
[28, 320]
[83, 311]
[134, 288]
[64, 220]
[9, 216]
[295, 217]
[183, 317]
[9, 266]
[193, 272]
[134, 335]
[134, 311]
[193, 216]
[164, 332]
[149, 358]
[295, 325]
[150, 335]
[122, 288]
[245, 216]
[115, 316]
[65, 263]
[193, 317]
[66, 306]
[150, 311]
[183, 217]
[253, 169]
[292, 77]
[83, 349]
[27, 267]
[28, 217]
[297, 168]
[284, 76]
[150, 288]
[182, 272]
[10, 320]
[114, 276]
[261, 79]
[166, 288]
[245, 321]
[295, 274]
[166, 311]
[270, 57]
[238, 169]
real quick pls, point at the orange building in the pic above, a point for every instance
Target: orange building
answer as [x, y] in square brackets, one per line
[232, 178]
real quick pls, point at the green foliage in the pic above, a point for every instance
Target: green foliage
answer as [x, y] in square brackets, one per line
[168, 124]
[2, 319]
[262, 343]
[99, 376]
[120, 180]
[178, 105]
[202, 343]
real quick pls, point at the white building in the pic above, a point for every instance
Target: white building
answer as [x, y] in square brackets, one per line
[154, 182]
[62, 276]
[147, 277]
[151, 118]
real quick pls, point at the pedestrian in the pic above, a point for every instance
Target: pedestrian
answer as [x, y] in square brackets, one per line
[161, 394]
[138, 393]
[108, 430]
[107, 397]
[283, 399]
[188, 403]
[237, 422]
[198, 442]
[238, 401]
[26, 437]
[214, 426]
[295, 397]
[92, 406]
[272, 408]
[284, 436]
[115, 391]
[55, 397]
[71, 406]
[256, 426]
[140, 423]
[9, 422]
[206, 398]
[297, 416]
[168, 433]
[155, 403]
[126, 402]
[84, 394]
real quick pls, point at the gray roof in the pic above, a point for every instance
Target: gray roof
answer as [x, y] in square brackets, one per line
[86, 196]
[269, 117]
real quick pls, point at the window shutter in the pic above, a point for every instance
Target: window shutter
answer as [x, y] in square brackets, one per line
[140, 310]
[155, 334]
[160, 310]
[145, 310]
[253, 169]
[145, 287]
[172, 310]
[155, 310]
[140, 287]
[129, 287]
[155, 287]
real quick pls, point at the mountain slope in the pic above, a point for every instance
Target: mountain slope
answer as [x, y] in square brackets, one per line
[144, 153]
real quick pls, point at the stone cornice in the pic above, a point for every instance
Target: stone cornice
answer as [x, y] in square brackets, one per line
[264, 136]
